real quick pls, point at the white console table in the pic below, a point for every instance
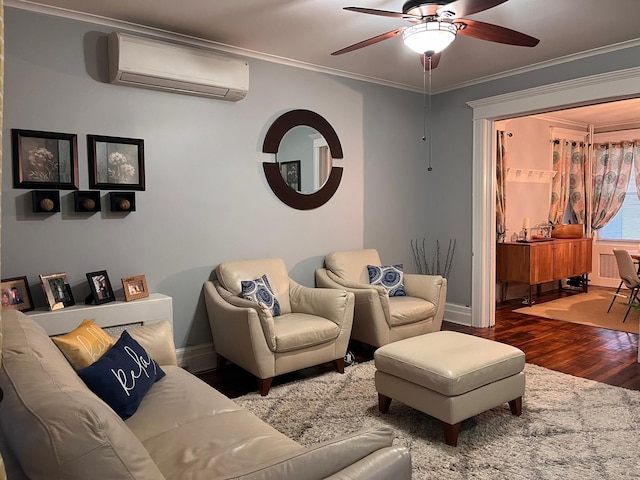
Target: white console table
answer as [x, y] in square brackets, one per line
[155, 308]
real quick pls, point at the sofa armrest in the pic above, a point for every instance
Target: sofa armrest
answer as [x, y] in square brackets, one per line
[241, 309]
[324, 459]
[427, 287]
[332, 304]
[386, 463]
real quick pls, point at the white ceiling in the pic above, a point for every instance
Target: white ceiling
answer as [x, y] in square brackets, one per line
[307, 31]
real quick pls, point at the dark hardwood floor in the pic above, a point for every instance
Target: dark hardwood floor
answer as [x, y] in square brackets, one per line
[599, 354]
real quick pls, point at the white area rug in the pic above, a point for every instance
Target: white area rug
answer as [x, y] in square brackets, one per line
[571, 428]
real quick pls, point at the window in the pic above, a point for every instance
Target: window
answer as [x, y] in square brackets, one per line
[626, 224]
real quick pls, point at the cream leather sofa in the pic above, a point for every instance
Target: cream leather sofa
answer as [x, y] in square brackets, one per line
[380, 319]
[53, 427]
[313, 327]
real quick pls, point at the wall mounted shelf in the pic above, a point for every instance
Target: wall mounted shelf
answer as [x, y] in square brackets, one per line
[45, 201]
[529, 175]
[122, 201]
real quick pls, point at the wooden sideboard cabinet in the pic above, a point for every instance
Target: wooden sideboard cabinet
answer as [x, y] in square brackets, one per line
[535, 263]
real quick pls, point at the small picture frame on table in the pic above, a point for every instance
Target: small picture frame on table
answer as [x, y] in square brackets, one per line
[101, 291]
[135, 287]
[16, 294]
[57, 290]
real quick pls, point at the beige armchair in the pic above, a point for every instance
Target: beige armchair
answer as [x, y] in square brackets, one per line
[380, 319]
[313, 327]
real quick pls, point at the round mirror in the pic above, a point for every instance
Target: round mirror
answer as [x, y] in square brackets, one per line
[305, 144]
[304, 159]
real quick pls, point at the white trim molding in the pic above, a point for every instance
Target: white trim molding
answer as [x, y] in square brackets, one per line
[197, 358]
[617, 85]
[459, 314]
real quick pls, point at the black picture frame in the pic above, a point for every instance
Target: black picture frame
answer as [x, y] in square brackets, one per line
[18, 294]
[115, 163]
[290, 172]
[44, 159]
[100, 286]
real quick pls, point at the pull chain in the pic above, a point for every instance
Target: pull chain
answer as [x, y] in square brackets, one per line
[424, 105]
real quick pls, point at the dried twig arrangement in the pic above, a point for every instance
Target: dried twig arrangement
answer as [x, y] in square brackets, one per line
[430, 264]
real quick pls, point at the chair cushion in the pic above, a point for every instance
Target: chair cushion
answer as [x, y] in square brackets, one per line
[295, 331]
[84, 345]
[405, 310]
[259, 291]
[390, 277]
[352, 264]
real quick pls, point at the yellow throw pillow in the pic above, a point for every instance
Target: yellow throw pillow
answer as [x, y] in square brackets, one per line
[85, 344]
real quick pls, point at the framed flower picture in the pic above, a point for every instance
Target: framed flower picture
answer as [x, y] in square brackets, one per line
[115, 163]
[44, 160]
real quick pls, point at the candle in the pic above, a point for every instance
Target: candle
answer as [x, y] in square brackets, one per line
[525, 222]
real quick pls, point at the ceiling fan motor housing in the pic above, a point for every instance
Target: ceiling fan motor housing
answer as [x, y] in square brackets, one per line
[422, 9]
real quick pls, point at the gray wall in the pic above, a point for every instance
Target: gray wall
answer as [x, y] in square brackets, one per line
[206, 200]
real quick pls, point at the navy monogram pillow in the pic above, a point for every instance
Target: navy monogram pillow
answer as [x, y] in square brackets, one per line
[390, 277]
[122, 376]
[259, 290]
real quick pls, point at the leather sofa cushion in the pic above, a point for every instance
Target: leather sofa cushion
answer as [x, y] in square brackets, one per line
[352, 264]
[157, 339]
[193, 431]
[406, 310]
[54, 422]
[450, 363]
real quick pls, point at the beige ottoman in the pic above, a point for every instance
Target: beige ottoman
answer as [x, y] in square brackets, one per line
[451, 376]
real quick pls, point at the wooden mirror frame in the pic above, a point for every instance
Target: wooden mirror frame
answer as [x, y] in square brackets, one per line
[272, 139]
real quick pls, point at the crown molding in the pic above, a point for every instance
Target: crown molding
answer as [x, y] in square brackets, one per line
[195, 41]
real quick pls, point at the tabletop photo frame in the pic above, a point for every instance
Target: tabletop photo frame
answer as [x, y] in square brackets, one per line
[100, 286]
[57, 290]
[16, 294]
[135, 287]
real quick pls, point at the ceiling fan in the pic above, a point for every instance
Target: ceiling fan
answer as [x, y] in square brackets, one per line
[436, 24]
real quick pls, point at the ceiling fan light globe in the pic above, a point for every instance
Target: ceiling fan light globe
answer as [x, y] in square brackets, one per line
[429, 36]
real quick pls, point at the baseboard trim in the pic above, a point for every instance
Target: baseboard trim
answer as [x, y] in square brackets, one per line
[459, 314]
[197, 358]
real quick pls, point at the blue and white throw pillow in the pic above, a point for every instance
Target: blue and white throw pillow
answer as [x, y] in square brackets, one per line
[390, 277]
[259, 290]
[122, 376]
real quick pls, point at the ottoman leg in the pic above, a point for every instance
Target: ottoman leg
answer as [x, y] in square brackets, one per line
[516, 406]
[451, 433]
[383, 403]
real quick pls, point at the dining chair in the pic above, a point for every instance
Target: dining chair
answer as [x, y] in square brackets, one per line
[628, 277]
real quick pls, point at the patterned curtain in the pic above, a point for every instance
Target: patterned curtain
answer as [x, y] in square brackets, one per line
[636, 163]
[577, 183]
[568, 186]
[501, 180]
[611, 170]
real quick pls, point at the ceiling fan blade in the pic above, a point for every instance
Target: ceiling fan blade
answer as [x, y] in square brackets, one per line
[370, 41]
[382, 13]
[435, 60]
[462, 8]
[494, 33]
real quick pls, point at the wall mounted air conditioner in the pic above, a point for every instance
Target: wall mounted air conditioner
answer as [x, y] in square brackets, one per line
[146, 63]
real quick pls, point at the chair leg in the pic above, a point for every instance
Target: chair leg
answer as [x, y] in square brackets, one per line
[516, 406]
[264, 384]
[633, 296]
[614, 297]
[339, 364]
